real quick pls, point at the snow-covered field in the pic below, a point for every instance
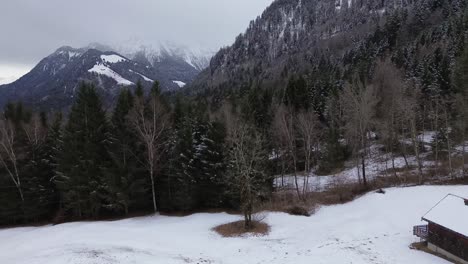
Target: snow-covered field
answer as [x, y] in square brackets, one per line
[376, 228]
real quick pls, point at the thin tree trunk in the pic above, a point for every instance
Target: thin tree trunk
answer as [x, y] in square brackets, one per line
[364, 169]
[307, 169]
[292, 146]
[416, 150]
[282, 169]
[393, 164]
[404, 150]
[153, 190]
[449, 151]
[358, 170]
[436, 129]
[463, 151]
[295, 179]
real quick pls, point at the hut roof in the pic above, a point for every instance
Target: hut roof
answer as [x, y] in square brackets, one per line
[451, 212]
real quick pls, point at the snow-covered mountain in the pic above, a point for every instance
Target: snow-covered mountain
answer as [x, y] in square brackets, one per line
[198, 58]
[53, 82]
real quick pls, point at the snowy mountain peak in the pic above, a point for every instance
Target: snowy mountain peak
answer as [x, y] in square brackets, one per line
[68, 52]
[198, 58]
[56, 78]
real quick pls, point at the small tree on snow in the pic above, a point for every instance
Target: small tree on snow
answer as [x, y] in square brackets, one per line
[247, 157]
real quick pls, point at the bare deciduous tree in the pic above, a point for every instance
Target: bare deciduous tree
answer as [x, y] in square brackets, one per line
[150, 120]
[359, 102]
[35, 131]
[8, 153]
[284, 131]
[247, 155]
[411, 121]
[308, 128]
[461, 106]
[390, 86]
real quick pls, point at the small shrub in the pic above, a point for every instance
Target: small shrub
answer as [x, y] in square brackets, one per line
[236, 229]
[298, 210]
[381, 191]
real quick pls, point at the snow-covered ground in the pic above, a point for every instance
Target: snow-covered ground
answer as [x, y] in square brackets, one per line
[142, 76]
[376, 228]
[375, 166]
[378, 164]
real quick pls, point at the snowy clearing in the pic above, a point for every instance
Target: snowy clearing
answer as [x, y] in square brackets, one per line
[72, 54]
[179, 83]
[376, 165]
[376, 228]
[142, 76]
[112, 58]
[104, 70]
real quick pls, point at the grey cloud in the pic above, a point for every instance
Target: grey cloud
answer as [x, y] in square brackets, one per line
[31, 29]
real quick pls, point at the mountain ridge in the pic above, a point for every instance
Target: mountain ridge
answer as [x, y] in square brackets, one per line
[52, 83]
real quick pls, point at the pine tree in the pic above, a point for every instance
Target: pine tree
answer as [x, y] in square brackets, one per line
[210, 155]
[40, 193]
[139, 92]
[84, 156]
[182, 173]
[297, 94]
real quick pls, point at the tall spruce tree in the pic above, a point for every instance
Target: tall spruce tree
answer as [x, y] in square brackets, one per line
[84, 156]
[40, 194]
[211, 166]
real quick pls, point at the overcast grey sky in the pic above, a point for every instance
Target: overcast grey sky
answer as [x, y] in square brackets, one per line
[31, 29]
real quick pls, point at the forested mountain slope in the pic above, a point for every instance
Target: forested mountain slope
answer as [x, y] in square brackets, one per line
[329, 41]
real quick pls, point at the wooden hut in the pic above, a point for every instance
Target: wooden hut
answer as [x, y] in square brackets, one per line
[446, 231]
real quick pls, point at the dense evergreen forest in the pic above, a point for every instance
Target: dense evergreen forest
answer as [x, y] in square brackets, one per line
[222, 148]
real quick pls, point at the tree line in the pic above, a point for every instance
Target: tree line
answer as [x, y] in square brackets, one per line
[155, 152]
[147, 155]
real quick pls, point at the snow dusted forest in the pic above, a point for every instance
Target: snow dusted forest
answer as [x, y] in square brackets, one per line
[154, 152]
[322, 135]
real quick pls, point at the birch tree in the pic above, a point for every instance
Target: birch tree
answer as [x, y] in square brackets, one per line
[8, 153]
[150, 120]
